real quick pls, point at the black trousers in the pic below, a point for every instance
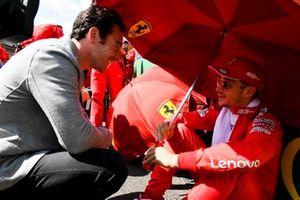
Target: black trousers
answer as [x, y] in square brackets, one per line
[94, 174]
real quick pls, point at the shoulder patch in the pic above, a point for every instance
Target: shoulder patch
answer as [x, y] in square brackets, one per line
[263, 125]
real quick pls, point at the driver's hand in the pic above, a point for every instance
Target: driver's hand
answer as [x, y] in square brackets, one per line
[164, 131]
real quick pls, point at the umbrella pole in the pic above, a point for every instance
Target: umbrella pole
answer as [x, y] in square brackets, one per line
[189, 92]
[186, 96]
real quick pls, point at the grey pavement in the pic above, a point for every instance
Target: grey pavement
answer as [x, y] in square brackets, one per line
[138, 179]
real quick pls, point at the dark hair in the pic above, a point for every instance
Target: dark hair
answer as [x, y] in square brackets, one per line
[102, 18]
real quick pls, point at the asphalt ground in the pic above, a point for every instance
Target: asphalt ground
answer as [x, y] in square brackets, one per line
[138, 179]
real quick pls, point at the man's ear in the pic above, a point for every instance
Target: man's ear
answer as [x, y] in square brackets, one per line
[94, 35]
[250, 91]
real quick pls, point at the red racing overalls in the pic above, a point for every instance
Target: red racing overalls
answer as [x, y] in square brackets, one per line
[245, 167]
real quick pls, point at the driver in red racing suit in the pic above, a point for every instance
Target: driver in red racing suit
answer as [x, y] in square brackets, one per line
[243, 159]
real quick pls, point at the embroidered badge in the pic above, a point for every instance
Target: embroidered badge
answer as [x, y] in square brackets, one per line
[263, 125]
[261, 130]
[251, 75]
[202, 112]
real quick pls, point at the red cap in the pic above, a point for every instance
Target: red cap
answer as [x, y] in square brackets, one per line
[241, 68]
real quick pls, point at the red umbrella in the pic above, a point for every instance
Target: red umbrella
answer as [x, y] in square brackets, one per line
[185, 36]
[143, 104]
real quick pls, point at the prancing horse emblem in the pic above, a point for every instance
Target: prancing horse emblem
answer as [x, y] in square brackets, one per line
[140, 28]
[167, 109]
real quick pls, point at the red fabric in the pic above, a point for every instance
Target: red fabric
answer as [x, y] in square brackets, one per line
[136, 110]
[98, 87]
[112, 79]
[161, 177]
[188, 36]
[44, 31]
[87, 78]
[243, 186]
[4, 56]
[115, 79]
[256, 140]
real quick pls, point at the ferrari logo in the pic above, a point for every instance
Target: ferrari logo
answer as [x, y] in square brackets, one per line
[167, 109]
[140, 28]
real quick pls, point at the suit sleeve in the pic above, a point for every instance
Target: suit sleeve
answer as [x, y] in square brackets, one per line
[55, 83]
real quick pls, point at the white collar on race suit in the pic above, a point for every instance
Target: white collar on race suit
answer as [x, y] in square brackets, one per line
[225, 123]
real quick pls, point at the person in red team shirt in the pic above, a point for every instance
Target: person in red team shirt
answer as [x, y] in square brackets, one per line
[110, 80]
[243, 159]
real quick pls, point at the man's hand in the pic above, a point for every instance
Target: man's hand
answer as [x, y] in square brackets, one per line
[161, 156]
[164, 131]
[106, 137]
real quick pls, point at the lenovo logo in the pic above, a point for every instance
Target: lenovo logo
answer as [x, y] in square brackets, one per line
[224, 164]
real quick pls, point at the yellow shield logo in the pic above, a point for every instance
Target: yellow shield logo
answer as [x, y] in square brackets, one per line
[140, 28]
[167, 109]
